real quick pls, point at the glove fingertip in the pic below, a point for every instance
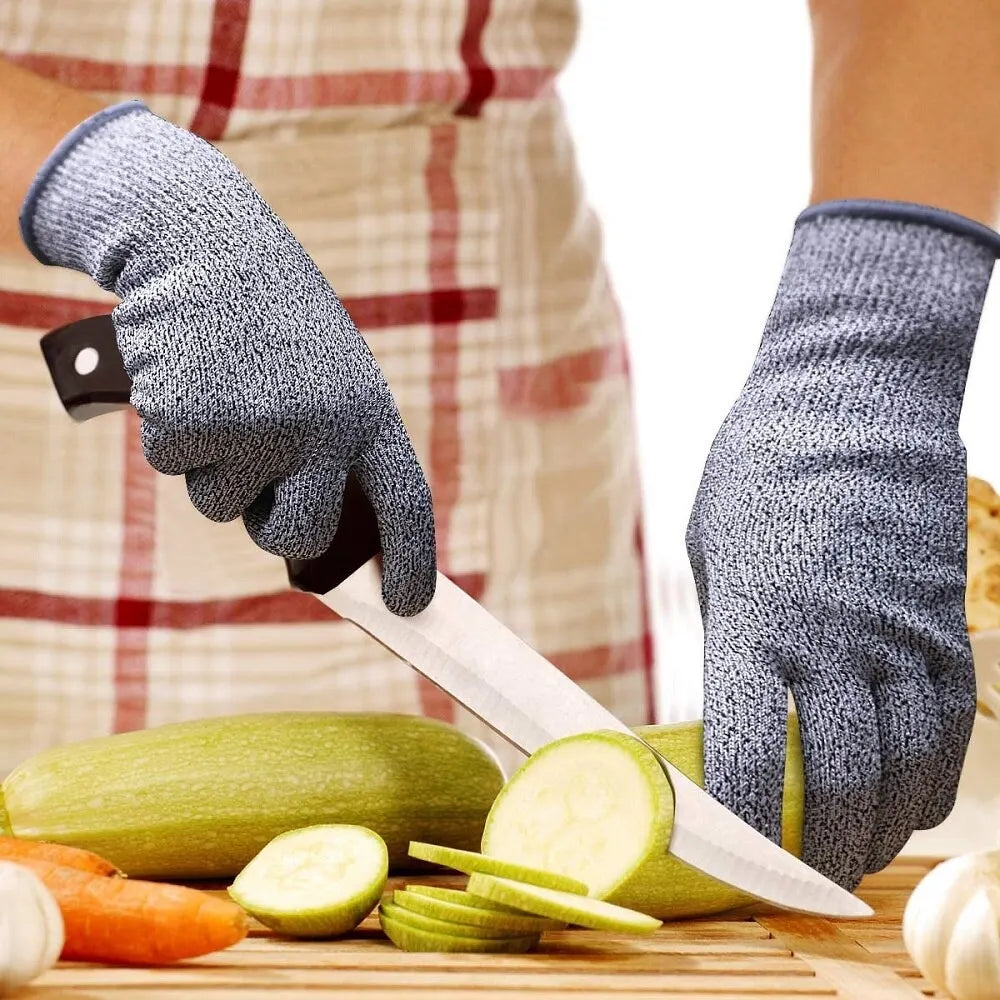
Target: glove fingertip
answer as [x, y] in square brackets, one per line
[409, 563]
[209, 495]
[408, 594]
[941, 802]
[277, 538]
[160, 451]
[397, 488]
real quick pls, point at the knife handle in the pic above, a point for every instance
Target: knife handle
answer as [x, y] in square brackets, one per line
[88, 373]
[86, 367]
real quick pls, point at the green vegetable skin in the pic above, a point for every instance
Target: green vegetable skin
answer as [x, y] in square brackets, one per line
[199, 799]
[652, 881]
[444, 925]
[463, 913]
[404, 934]
[459, 896]
[585, 911]
[472, 861]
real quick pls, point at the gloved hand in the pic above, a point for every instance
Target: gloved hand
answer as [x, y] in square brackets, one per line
[828, 536]
[248, 374]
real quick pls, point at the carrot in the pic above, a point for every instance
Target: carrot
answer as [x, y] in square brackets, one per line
[139, 923]
[14, 849]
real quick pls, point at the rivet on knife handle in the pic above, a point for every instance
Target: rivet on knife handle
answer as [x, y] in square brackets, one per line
[88, 373]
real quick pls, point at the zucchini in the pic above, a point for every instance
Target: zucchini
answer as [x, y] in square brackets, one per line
[447, 926]
[598, 808]
[466, 899]
[200, 799]
[597, 803]
[477, 916]
[470, 862]
[405, 933]
[316, 882]
[459, 896]
[584, 911]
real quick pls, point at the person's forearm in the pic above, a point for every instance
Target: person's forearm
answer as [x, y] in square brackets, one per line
[35, 114]
[906, 103]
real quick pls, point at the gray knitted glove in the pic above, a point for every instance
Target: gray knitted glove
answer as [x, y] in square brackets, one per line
[248, 374]
[828, 536]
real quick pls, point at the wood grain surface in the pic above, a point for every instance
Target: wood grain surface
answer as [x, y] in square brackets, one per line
[757, 954]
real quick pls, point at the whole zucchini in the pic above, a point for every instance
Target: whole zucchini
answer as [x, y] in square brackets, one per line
[194, 800]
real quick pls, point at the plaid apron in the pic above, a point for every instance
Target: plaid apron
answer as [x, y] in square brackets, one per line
[419, 152]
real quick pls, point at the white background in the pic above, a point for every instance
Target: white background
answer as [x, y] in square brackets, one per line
[692, 129]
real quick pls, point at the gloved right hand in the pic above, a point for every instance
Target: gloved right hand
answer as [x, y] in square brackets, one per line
[248, 374]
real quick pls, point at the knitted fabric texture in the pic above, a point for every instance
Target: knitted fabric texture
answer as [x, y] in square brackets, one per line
[828, 540]
[248, 374]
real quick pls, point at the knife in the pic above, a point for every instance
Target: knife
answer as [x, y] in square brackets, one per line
[466, 652]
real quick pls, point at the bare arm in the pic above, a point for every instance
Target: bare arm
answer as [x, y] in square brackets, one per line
[906, 103]
[35, 114]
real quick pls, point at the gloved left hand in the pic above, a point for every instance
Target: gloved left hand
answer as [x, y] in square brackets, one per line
[828, 536]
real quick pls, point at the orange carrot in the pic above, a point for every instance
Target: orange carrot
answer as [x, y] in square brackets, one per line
[135, 922]
[14, 849]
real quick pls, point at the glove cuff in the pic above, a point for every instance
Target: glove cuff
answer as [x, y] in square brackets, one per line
[127, 196]
[877, 302]
[87, 128]
[904, 211]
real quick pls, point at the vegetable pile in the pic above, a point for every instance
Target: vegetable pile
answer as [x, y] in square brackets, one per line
[308, 809]
[506, 908]
[311, 811]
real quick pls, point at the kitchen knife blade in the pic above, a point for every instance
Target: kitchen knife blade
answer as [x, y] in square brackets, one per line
[466, 652]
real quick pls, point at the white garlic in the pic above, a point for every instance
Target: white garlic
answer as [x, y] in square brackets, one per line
[951, 926]
[31, 927]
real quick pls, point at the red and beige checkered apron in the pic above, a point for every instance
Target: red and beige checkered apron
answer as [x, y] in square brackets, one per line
[419, 152]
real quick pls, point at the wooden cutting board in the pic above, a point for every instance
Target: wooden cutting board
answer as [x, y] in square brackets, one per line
[765, 954]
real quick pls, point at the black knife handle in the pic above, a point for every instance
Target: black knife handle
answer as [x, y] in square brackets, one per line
[89, 375]
[86, 367]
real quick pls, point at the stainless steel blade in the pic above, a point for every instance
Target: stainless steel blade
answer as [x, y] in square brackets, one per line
[464, 650]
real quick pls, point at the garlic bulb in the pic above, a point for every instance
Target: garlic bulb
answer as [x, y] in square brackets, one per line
[31, 927]
[951, 926]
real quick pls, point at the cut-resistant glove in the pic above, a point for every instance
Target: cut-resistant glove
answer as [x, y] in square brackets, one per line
[247, 372]
[828, 536]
